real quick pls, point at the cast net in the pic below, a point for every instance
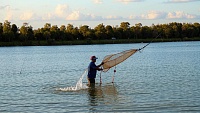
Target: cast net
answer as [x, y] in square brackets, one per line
[114, 59]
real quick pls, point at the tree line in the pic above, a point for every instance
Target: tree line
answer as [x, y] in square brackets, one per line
[12, 33]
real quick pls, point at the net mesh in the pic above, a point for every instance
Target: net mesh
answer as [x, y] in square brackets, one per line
[114, 59]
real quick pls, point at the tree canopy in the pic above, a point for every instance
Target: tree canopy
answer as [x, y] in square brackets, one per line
[12, 33]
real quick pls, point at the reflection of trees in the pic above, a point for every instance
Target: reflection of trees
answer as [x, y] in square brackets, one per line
[102, 95]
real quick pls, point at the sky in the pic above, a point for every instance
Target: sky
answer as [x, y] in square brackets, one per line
[94, 12]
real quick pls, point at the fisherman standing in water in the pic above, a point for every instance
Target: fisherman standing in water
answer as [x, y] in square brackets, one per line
[92, 70]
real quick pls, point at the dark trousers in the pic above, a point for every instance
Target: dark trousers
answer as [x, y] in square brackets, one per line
[91, 80]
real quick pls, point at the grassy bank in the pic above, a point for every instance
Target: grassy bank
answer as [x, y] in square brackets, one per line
[87, 42]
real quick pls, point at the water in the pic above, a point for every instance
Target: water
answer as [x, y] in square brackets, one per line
[79, 85]
[164, 77]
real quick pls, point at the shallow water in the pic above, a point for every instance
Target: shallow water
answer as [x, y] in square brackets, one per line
[164, 77]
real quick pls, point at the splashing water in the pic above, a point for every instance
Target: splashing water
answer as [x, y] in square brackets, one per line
[79, 84]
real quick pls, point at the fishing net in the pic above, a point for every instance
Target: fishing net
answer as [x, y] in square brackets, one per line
[114, 59]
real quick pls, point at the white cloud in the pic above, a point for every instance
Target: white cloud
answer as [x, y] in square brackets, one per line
[77, 15]
[128, 1]
[74, 16]
[97, 1]
[164, 15]
[180, 15]
[156, 15]
[9, 13]
[61, 10]
[60, 13]
[4, 7]
[28, 15]
[181, 1]
[114, 17]
[48, 16]
[150, 15]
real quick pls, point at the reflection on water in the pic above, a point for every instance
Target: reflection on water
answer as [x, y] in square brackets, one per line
[102, 95]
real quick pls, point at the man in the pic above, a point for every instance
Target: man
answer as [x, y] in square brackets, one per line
[92, 70]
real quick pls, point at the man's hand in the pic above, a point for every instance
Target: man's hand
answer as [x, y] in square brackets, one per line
[100, 69]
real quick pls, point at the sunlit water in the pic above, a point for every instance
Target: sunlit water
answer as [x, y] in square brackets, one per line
[164, 77]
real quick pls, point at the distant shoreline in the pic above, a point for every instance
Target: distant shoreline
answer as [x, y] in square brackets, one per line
[91, 42]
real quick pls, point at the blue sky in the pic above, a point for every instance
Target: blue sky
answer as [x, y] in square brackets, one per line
[94, 12]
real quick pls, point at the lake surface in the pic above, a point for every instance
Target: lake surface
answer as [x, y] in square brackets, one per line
[164, 77]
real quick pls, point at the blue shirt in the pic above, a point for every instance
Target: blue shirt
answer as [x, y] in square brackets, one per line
[92, 71]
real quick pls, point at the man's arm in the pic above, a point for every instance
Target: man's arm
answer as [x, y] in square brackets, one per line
[100, 64]
[98, 67]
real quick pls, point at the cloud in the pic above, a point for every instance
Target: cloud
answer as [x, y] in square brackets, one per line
[150, 15]
[9, 13]
[48, 16]
[28, 15]
[180, 15]
[77, 15]
[155, 15]
[74, 16]
[128, 1]
[164, 15]
[97, 1]
[181, 1]
[59, 13]
[114, 17]
[61, 10]
[4, 7]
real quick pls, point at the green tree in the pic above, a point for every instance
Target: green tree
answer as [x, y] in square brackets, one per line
[75, 33]
[167, 32]
[125, 26]
[100, 31]
[70, 27]
[14, 29]
[8, 35]
[47, 26]
[197, 26]
[1, 31]
[62, 32]
[109, 32]
[137, 30]
[54, 30]
[38, 35]
[189, 30]
[23, 33]
[146, 32]
[26, 33]
[30, 33]
[118, 32]
[69, 32]
[6, 26]
[85, 32]
[63, 28]
[47, 35]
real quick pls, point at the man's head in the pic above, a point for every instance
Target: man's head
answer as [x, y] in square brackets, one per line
[93, 58]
